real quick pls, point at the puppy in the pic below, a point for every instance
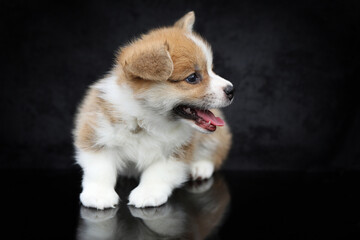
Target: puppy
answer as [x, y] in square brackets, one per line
[148, 116]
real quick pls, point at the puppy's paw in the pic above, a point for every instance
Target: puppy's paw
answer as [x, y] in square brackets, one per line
[201, 170]
[99, 198]
[147, 196]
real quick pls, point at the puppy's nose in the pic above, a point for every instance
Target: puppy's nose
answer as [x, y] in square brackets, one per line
[229, 91]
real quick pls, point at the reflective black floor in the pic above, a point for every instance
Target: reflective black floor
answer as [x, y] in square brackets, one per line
[231, 205]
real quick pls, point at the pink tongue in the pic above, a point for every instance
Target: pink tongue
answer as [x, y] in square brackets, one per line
[209, 116]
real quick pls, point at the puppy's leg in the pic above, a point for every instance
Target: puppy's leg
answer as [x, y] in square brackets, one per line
[157, 183]
[209, 153]
[99, 179]
[202, 167]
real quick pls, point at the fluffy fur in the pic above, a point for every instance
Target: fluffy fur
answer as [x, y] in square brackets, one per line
[127, 125]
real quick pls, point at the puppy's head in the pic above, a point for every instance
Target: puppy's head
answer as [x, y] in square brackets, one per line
[170, 71]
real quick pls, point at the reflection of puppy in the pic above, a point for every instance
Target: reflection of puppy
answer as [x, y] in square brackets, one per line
[146, 118]
[187, 215]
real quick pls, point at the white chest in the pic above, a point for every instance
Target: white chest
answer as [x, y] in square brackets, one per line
[144, 146]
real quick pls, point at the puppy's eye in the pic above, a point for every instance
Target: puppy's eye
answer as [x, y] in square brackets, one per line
[193, 79]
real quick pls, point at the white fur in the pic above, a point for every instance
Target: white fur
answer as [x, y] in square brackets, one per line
[157, 183]
[217, 85]
[99, 179]
[147, 152]
[201, 169]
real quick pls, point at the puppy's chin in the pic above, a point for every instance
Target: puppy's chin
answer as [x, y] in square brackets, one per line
[192, 124]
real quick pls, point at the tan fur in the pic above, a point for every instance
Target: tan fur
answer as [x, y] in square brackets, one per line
[86, 120]
[164, 56]
[224, 136]
[84, 132]
[185, 153]
[140, 59]
[149, 60]
[186, 22]
[221, 135]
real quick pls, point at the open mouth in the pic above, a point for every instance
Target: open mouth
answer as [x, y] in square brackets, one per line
[203, 118]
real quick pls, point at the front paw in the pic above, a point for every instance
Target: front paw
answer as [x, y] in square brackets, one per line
[201, 170]
[99, 198]
[149, 196]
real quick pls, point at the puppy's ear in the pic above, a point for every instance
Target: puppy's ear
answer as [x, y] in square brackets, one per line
[150, 61]
[186, 22]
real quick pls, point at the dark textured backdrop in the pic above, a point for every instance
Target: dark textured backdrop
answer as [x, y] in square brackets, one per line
[294, 64]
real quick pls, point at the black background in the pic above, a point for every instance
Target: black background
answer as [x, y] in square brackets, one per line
[295, 118]
[294, 65]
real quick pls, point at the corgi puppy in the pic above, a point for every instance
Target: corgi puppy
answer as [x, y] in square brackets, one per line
[148, 116]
